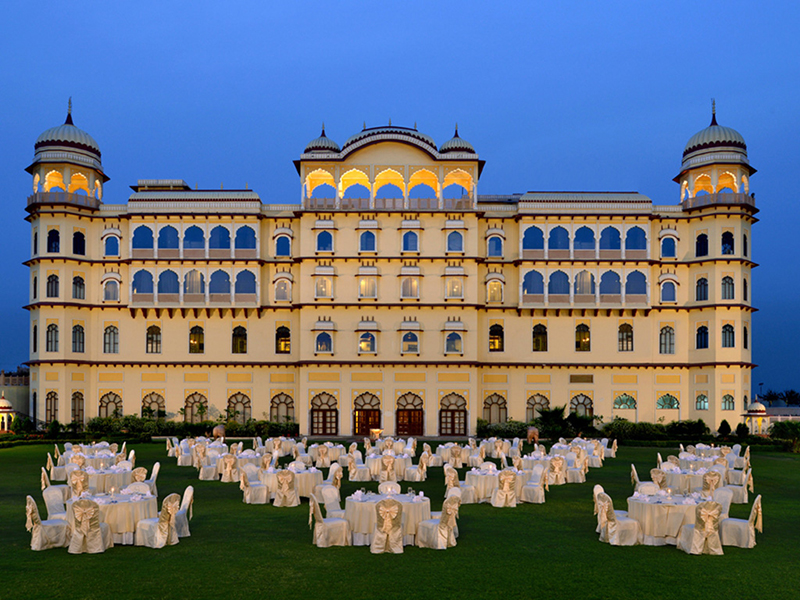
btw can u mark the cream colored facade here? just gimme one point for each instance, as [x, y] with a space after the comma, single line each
[384, 331]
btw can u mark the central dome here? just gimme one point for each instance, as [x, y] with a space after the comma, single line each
[714, 144]
[391, 131]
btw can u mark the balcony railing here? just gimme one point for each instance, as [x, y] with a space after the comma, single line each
[721, 198]
[193, 300]
[64, 198]
[388, 204]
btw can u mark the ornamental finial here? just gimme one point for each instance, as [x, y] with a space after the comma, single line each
[713, 112]
[69, 113]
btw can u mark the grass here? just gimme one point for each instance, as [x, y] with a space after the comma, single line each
[533, 551]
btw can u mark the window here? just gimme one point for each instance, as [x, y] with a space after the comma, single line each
[195, 408]
[78, 338]
[701, 338]
[635, 239]
[583, 341]
[219, 283]
[281, 408]
[728, 337]
[625, 338]
[51, 407]
[494, 247]
[77, 408]
[701, 245]
[111, 246]
[584, 239]
[323, 288]
[366, 343]
[52, 286]
[53, 240]
[168, 283]
[78, 288]
[194, 282]
[245, 283]
[539, 338]
[533, 283]
[239, 408]
[667, 401]
[558, 284]
[35, 287]
[666, 340]
[142, 238]
[584, 284]
[495, 409]
[496, 338]
[668, 249]
[111, 291]
[194, 238]
[744, 244]
[367, 242]
[745, 335]
[35, 339]
[239, 340]
[324, 241]
[142, 282]
[452, 343]
[410, 241]
[610, 239]
[701, 402]
[558, 239]
[535, 405]
[283, 290]
[582, 405]
[409, 343]
[728, 403]
[283, 246]
[153, 340]
[610, 284]
[283, 340]
[727, 243]
[35, 243]
[667, 292]
[245, 238]
[79, 243]
[625, 401]
[636, 284]
[110, 340]
[744, 290]
[454, 287]
[494, 291]
[154, 406]
[455, 242]
[409, 287]
[324, 415]
[701, 289]
[196, 340]
[168, 238]
[219, 238]
[367, 287]
[324, 343]
[727, 288]
[533, 239]
[51, 338]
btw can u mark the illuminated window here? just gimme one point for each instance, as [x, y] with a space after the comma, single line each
[324, 343]
[454, 287]
[283, 340]
[539, 338]
[453, 343]
[366, 343]
[625, 338]
[283, 290]
[367, 287]
[496, 338]
[323, 288]
[409, 343]
[197, 339]
[409, 287]
[583, 340]
[111, 291]
[153, 340]
[494, 291]
[239, 340]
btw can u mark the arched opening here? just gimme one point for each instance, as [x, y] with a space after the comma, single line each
[78, 288]
[583, 338]
[701, 402]
[79, 243]
[195, 408]
[701, 338]
[495, 409]
[727, 243]
[494, 247]
[388, 191]
[245, 283]
[533, 243]
[357, 191]
[584, 242]
[453, 415]
[111, 291]
[324, 415]
[51, 337]
[422, 185]
[728, 403]
[494, 291]
[245, 238]
[409, 288]
[539, 338]
[453, 343]
[584, 286]
[168, 285]
[324, 191]
[324, 343]
[194, 283]
[366, 343]
[320, 179]
[153, 340]
[535, 405]
[283, 340]
[610, 241]
[409, 343]
[496, 338]
[78, 408]
[701, 289]
[635, 241]
[283, 290]
[582, 405]
[636, 286]
[610, 286]
[558, 285]
[366, 242]
[283, 246]
[219, 238]
[558, 239]
[110, 406]
[53, 241]
[219, 284]
[728, 288]
[410, 241]
[197, 340]
[668, 293]
[78, 183]
[455, 242]
[533, 285]
[54, 182]
[389, 184]
[366, 414]
[625, 402]
[667, 402]
[702, 186]
[142, 240]
[410, 415]
[111, 340]
[668, 247]
[239, 408]
[51, 288]
[355, 184]
[728, 336]
[239, 340]
[78, 339]
[51, 407]
[324, 241]
[625, 338]
[111, 246]
[168, 238]
[154, 406]
[666, 340]
[457, 185]
[281, 408]
[726, 183]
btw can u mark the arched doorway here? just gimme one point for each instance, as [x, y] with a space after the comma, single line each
[582, 405]
[154, 406]
[535, 405]
[495, 409]
[410, 418]
[281, 408]
[324, 415]
[195, 408]
[366, 414]
[239, 408]
[453, 415]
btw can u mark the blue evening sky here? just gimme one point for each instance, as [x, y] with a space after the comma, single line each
[554, 96]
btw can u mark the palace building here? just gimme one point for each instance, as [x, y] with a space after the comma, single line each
[392, 296]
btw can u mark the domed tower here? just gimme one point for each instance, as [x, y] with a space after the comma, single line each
[714, 162]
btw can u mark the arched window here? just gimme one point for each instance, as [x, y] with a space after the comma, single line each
[142, 282]
[667, 292]
[283, 340]
[610, 239]
[77, 408]
[584, 239]
[366, 343]
[728, 336]
[539, 338]
[727, 288]
[454, 287]
[283, 246]
[168, 238]
[745, 336]
[494, 291]
[533, 283]
[533, 239]
[194, 282]
[51, 340]
[35, 339]
[409, 287]
[324, 241]
[110, 406]
[625, 337]
[625, 402]
[168, 283]
[239, 340]
[78, 338]
[668, 249]
[584, 284]
[79, 244]
[111, 246]
[111, 291]
[727, 243]
[281, 408]
[666, 340]
[324, 415]
[324, 344]
[323, 287]
[35, 287]
[453, 343]
[78, 288]
[219, 283]
[35, 243]
[610, 284]
[494, 247]
[701, 289]
[667, 401]
[701, 245]
[745, 293]
[51, 407]
[52, 286]
[410, 416]
[453, 415]
[410, 241]
[583, 340]
[455, 242]
[535, 405]
[194, 238]
[283, 290]
[366, 413]
[219, 238]
[154, 406]
[582, 405]
[409, 343]
[142, 238]
[701, 338]
[744, 244]
[53, 240]
[496, 338]
[245, 282]
[153, 340]
[558, 239]
[558, 284]
[728, 403]
[239, 408]
[367, 242]
[110, 340]
[197, 340]
[636, 284]
[245, 238]
[195, 408]
[495, 409]
[635, 239]
[701, 402]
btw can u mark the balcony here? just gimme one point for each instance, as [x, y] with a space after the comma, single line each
[422, 204]
[193, 300]
[79, 200]
[722, 198]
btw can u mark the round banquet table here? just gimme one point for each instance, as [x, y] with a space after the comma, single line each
[692, 464]
[103, 481]
[529, 462]
[559, 449]
[334, 452]
[444, 452]
[362, 519]
[485, 482]
[121, 512]
[400, 466]
[707, 451]
[684, 481]
[242, 460]
[660, 518]
[99, 462]
[304, 481]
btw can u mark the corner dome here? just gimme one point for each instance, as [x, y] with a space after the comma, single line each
[5, 404]
[756, 407]
[67, 135]
[322, 144]
[456, 144]
[713, 144]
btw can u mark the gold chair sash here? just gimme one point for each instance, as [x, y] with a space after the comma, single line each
[84, 514]
[139, 474]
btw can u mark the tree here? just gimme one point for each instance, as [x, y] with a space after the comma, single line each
[791, 397]
[769, 397]
[787, 430]
[724, 428]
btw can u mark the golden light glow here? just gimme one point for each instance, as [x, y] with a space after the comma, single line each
[351, 178]
[459, 177]
[78, 182]
[727, 180]
[389, 176]
[318, 178]
[54, 179]
[702, 184]
[423, 176]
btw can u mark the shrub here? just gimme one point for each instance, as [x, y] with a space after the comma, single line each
[724, 428]
[53, 429]
[742, 431]
[787, 430]
[687, 429]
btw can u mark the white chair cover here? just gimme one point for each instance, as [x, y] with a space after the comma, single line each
[389, 487]
[418, 472]
[388, 534]
[740, 491]
[451, 481]
[436, 460]
[356, 471]
[184, 514]
[253, 491]
[616, 530]
[286, 494]
[505, 495]
[387, 472]
[454, 458]
[556, 475]
[230, 468]
[703, 536]
[724, 497]
[161, 531]
[741, 532]
[331, 499]
[54, 501]
[323, 460]
[439, 534]
[44, 534]
[66, 491]
[328, 531]
[56, 473]
[89, 534]
[533, 490]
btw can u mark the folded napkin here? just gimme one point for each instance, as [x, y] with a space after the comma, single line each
[312, 469]
[418, 499]
[688, 500]
[90, 470]
[102, 500]
[661, 493]
[637, 494]
[126, 491]
[474, 470]
[329, 444]
[357, 496]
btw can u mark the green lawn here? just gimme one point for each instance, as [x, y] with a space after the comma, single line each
[533, 551]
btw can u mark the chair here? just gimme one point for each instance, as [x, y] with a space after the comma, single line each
[740, 491]
[477, 457]
[711, 481]
[505, 494]
[184, 514]
[160, 531]
[184, 457]
[132, 457]
[742, 460]
[170, 449]
[334, 481]
[659, 460]
[703, 536]
[468, 495]
[265, 461]
[440, 533]
[56, 473]
[299, 453]
[596, 491]
[138, 487]
[577, 472]
[79, 483]
[54, 501]
[737, 476]
[125, 465]
[356, 453]
[230, 468]
[387, 472]
[199, 455]
[253, 491]
[389, 487]
[323, 460]
[330, 531]
[286, 494]
[556, 475]
[454, 457]
[595, 459]
[78, 459]
[89, 534]
[616, 530]
[66, 491]
[388, 534]
[488, 466]
[357, 472]
[612, 451]
[724, 497]
[418, 472]
[533, 490]
[742, 532]
[331, 499]
[648, 488]
[436, 460]
[139, 474]
[503, 461]
[659, 477]
[44, 534]
[674, 460]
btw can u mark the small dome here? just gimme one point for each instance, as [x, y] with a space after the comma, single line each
[5, 404]
[67, 135]
[756, 407]
[456, 144]
[322, 144]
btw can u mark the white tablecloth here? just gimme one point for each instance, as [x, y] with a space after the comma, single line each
[485, 483]
[373, 462]
[362, 519]
[688, 464]
[121, 514]
[661, 522]
[684, 482]
[305, 481]
[528, 463]
[334, 452]
[103, 481]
